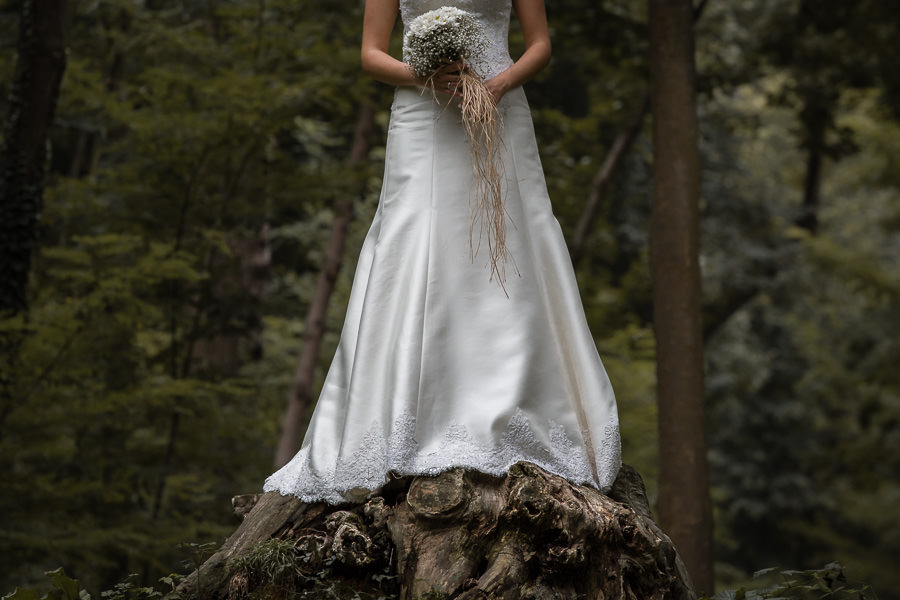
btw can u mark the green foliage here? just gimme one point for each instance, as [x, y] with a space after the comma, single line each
[278, 568]
[272, 564]
[150, 375]
[774, 583]
[135, 409]
[802, 394]
[66, 588]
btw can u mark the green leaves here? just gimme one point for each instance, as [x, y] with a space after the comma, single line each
[799, 394]
[775, 583]
[64, 588]
[133, 413]
[183, 129]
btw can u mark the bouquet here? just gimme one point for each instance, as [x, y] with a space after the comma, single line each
[448, 35]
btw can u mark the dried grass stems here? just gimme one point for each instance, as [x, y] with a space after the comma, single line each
[487, 210]
[448, 35]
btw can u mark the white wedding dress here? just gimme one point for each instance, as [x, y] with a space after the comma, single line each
[436, 366]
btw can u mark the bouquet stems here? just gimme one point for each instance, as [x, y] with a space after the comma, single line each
[483, 127]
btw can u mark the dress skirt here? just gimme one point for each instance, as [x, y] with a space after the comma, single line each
[438, 366]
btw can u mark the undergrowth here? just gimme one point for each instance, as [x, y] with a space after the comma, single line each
[278, 570]
[775, 583]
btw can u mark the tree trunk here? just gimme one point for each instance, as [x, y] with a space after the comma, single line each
[460, 535]
[816, 117]
[601, 182]
[23, 158]
[240, 286]
[684, 502]
[302, 388]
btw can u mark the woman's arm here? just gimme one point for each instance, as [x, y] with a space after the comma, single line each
[378, 24]
[533, 19]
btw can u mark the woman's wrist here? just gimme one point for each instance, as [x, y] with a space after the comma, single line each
[387, 69]
[414, 80]
[499, 85]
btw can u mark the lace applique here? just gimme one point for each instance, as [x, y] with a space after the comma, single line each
[367, 468]
[609, 456]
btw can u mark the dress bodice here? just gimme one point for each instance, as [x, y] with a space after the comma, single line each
[494, 17]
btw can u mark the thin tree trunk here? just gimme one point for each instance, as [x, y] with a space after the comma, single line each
[809, 219]
[684, 502]
[301, 390]
[816, 118]
[39, 69]
[40, 65]
[604, 175]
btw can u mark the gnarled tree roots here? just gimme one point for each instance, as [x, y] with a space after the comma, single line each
[460, 535]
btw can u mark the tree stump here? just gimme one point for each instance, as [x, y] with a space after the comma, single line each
[461, 535]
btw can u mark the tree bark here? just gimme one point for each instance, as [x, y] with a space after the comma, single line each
[816, 117]
[23, 158]
[461, 535]
[684, 501]
[302, 388]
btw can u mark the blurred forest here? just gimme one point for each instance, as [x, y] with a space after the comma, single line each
[199, 149]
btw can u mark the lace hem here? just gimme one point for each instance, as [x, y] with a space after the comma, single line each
[367, 469]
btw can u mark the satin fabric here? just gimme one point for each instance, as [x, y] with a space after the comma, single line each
[437, 366]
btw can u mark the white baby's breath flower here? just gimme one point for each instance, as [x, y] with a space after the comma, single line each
[442, 36]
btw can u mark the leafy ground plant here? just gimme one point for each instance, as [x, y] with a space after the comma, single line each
[67, 588]
[278, 568]
[775, 583]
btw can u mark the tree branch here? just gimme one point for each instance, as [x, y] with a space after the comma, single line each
[301, 390]
[599, 187]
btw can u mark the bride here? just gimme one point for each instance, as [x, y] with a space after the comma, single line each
[438, 366]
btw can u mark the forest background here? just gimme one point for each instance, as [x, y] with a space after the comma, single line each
[200, 150]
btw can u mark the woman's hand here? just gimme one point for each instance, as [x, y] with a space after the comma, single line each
[498, 86]
[533, 21]
[446, 78]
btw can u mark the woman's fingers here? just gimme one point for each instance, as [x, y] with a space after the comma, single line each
[446, 78]
[447, 84]
[454, 67]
